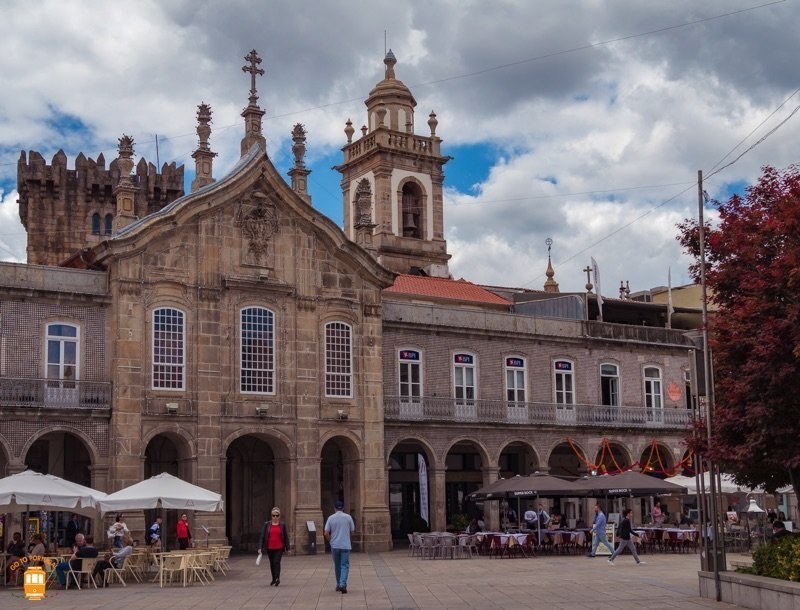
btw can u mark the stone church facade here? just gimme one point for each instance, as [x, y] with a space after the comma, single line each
[237, 338]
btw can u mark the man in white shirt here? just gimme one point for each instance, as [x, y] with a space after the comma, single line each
[338, 529]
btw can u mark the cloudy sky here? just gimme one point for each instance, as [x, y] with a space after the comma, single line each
[579, 120]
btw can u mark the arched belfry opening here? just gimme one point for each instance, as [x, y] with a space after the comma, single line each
[412, 216]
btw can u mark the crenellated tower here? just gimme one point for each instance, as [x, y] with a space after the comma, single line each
[65, 210]
[404, 173]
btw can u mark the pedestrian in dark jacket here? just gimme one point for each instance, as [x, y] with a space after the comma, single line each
[625, 539]
[274, 542]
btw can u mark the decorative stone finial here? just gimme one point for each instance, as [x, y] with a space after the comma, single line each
[432, 123]
[299, 146]
[124, 191]
[588, 272]
[348, 131]
[125, 160]
[363, 130]
[390, 60]
[203, 156]
[299, 173]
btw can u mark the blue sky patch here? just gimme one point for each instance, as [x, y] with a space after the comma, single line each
[67, 125]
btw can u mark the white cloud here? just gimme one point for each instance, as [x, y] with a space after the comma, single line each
[518, 77]
[13, 238]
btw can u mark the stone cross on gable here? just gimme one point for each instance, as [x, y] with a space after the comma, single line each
[253, 60]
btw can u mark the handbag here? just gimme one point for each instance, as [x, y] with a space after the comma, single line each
[258, 559]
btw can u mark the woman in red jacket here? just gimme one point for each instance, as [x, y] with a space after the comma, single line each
[274, 541]
[183, 532]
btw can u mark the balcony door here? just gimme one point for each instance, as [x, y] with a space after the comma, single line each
[653, 397]
[62, 363]
[564, 386]
[464, 386]
[410, 377]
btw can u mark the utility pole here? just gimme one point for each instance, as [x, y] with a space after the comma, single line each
[717, 545]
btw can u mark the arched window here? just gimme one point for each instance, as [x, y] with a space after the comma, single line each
[412, 211]
[109, 224]
[609, 384]
[95, 224]
[169, 349]
[257, 351]
[338, 360]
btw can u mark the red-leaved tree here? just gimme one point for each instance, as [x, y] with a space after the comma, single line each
[753, 276]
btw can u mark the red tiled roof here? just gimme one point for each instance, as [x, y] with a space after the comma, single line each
[442, 288]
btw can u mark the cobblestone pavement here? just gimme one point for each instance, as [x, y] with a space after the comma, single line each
[395, 580]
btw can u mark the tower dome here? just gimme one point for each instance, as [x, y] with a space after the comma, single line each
[390, 103]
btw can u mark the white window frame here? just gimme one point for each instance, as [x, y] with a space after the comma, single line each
[62, 340]
[265, 355]
[339, 383]
[653, 389]
[559, 396]
[179, 367]
[614, 381]
[466, 406]
[410, 403]
[516, 405]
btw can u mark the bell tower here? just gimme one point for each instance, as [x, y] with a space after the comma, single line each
[405, 173]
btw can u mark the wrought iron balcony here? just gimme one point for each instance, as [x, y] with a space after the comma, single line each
[54, 393]
[527, 413]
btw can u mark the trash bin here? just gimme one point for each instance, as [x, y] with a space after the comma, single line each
[312, 537]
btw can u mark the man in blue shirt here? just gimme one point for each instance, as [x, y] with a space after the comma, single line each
[599, 531]
[338, 529]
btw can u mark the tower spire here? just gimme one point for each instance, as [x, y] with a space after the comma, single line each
[252, 113]
[550, 284]
[299, 173]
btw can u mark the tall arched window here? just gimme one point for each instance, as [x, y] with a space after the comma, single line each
[257, 351]
[109, 224]
[95, 224]
[412, 211]
[338, 360]
[169, 349]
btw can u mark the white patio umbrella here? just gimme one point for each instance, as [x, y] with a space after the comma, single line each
[33, 491]
[162, 490]
[727, 484]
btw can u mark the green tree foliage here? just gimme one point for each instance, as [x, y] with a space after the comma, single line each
[778, 559]
[753, 276]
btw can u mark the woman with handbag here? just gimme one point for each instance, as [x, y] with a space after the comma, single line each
[274, 542]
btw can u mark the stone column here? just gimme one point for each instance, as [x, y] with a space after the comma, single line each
[491, 510]
[437, 499]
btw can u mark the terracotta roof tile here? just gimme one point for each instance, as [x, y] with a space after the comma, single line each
[443, 288]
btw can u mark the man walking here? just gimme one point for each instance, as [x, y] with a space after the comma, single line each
[338, 529]
[599, 531]
[625, 539]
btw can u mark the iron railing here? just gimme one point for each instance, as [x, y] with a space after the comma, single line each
[54, 393]
[499, 411]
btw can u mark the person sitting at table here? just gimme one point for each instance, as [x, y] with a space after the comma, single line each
[656, 515]
[84, 547]
[473, 527]
[116, 559]
[36, 549]
[779, 531]
[15, 552]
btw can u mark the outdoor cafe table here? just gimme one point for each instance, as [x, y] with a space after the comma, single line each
[669, 535]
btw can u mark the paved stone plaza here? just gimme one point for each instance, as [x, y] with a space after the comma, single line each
[394, 580]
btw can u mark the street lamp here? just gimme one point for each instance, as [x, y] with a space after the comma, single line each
[754, 509]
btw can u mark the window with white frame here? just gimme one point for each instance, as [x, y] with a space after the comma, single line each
[410, 375]
[564, 385]
[257, 353]
[652, 388]
[338, 360]
[169, 348]
[62, 352]
[464, 378]
[515, 380]
[609, 384]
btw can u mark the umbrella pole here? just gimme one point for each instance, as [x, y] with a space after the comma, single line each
[538, 521]
[519, 516]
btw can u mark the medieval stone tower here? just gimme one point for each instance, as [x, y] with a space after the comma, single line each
[66, 210]
[392, 183]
